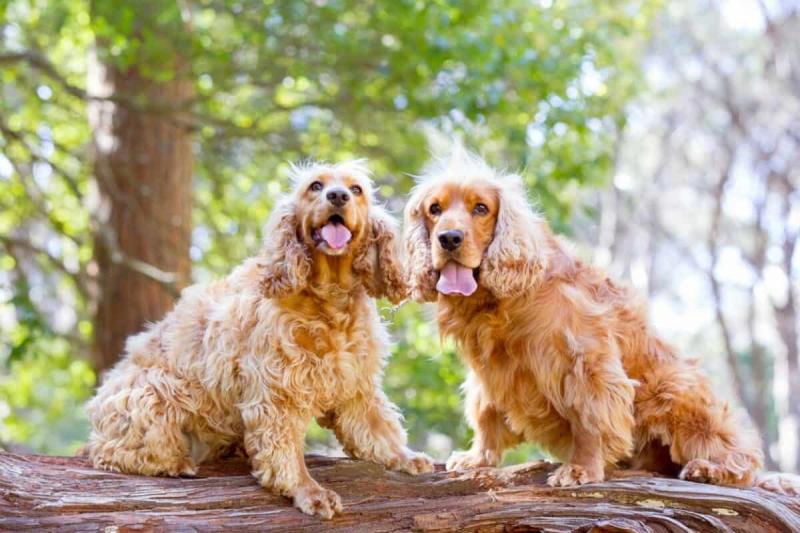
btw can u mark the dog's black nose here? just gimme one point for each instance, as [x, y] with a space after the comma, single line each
[451, 239]
[338, 196]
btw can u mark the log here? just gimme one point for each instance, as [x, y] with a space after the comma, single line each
[66, 494]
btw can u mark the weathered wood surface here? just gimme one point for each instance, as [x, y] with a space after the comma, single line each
[65, 494]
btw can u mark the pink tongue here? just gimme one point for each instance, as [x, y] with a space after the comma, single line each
[456, 279]
[336, 235]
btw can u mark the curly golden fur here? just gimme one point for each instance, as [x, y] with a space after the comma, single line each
[249, 360]
[559, 355]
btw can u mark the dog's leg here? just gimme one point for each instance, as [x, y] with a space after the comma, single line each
[492, 434]
[135, 429]
[598, 398]
[714, 454]
[709, 442]
[273, 439]
[676, 405]
[368, 426]
[586, 464]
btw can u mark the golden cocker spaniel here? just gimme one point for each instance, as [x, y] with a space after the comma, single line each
[559, 355]
[290, 335]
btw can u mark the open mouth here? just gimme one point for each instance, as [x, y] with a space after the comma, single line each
[456, 278]
[334, 233]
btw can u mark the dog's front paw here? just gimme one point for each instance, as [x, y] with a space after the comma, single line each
[415, 463]
[703, 471]
[315, 500]
[467, 461]
[571, 475]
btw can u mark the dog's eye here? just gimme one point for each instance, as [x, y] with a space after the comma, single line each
[316, 186]
[435, 209]
[480, 209]
[356, 189]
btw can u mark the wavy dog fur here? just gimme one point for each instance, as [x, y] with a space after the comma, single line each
[249, 360]
[560, 355]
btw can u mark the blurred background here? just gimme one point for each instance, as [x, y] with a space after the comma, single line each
[143, 143]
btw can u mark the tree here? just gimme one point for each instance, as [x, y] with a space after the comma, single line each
[713, 199]
[263, 83]
[142, 168]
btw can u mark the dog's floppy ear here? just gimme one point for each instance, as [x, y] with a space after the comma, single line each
[515, 258]
[285, 261]
[379, 263]
[421, 274]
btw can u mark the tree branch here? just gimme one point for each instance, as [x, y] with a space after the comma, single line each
[79, 277]
[70, 180]
[168, 280]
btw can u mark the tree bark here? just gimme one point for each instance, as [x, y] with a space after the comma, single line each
[143, 173]
[48, 493]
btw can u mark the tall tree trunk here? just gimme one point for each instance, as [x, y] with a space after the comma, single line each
[143, 173]
[786, 317]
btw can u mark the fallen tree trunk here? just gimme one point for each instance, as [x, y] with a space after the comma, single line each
[65, 494]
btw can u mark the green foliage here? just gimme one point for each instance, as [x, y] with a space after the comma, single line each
[534, 85]
[424, 377]
[42, 401]
[42, 394]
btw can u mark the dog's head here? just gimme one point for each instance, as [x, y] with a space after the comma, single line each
[331, 213]
[467, 225]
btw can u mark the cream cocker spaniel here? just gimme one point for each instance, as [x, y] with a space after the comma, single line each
[291, 334]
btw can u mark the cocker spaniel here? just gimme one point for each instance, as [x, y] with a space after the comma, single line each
[291, 334]
[559, 355]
